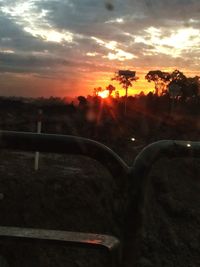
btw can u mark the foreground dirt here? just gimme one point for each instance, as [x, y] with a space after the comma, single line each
[77, 194]
[171, 235]
[67, 193]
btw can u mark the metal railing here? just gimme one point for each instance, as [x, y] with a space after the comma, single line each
[139, 181]
[68, 145]
[65, 144]
[136, 176]
[107, 243]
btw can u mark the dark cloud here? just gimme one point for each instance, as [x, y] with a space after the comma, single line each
[29, 63]
[84, 19]
[84, 15]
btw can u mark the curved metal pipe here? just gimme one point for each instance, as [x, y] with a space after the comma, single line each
[137, 174]
[147, 157]
[78, 145]
[138, 183]
[151, 153]
[78, 239]
[65, 144]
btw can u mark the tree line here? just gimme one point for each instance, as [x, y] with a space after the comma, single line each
[176, 83]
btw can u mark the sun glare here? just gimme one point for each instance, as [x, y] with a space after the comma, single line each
[104, 94]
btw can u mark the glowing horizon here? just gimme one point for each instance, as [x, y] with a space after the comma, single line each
[67, 48]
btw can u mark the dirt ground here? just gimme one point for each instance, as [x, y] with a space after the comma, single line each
[67, 193]
[76, 194]
[171, 234]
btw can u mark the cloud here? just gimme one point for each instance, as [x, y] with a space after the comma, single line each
[62, 38]
[174, 44]
[12, 62]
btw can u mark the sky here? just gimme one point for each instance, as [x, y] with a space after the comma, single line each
[68, 47]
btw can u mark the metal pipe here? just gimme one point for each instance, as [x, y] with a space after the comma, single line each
[65, 144]
[155, 151]
[109, 244]
[138, 183]
[137, 175]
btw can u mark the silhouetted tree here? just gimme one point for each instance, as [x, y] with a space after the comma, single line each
[83, 103]
[82, 100]
[188, 87]
[126, 79]
[160, 78]
[117, 94]
[110, 88]
[178, 77]
[97, 90]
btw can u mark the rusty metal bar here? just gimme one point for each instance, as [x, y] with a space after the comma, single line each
[110, 244]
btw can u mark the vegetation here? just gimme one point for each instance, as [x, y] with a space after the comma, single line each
[126, 79]
[53, 193]
[172, 114]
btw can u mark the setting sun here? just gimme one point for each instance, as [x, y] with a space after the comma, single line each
[65, 51]
[103, 94]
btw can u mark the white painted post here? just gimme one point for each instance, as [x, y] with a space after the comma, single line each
[39, 129]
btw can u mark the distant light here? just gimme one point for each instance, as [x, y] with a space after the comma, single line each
[188, 145]
[133, 139]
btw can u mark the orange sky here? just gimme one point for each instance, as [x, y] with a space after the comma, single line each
[67, 48]
[62, 88]
[140, 85]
